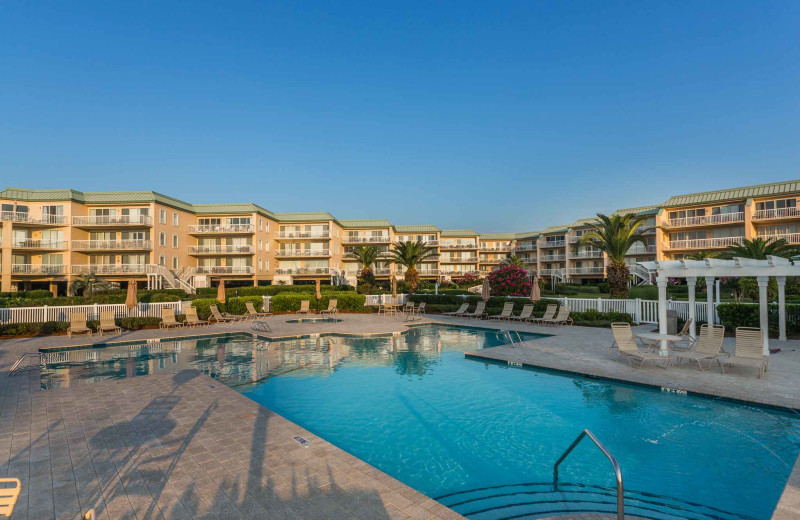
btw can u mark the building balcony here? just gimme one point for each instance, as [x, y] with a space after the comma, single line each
[111, 269]
[554, 243]
[586, 271]
[222, 250]
[493, 261]
[367, 240]
[641, 250]
[306, 271]
[501, 249]
[586, 254]
[551, 272]
[32, 219]
[432, 258]
[574, 239]
[553, 258]
[294, 235]
[704, 243]
[792, 238]
[225, 269]
[451, 272]
[776, 214]
[724, 218]
[459, 260]
[39, 245]
[529, 260]
[38, 269]
[221, 229]
[459, 246]
[526, 248]
[93, 221]
[302, 253]
[112, 245]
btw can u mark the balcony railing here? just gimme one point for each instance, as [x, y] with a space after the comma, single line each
[641, 250]
[219, 229]
[792, 238]
[586, 270]
[367, 240]
[108, 245]
[762, 214]
[30, 218]
[458, 246]
[458, 260]
[41, 269]
[225, 269]
[553, 258]
[303, 252]
[305, 271]
[704, 243]
[304, 234]
[525, 248]
[111, 269]
[112, 220]
[485, 260]
[722, 218]
[40, 244]
[554, 243]
[501, 249]
[586, 254]
[458, 273]
[432, 258]
[222, 250]
[551, 272]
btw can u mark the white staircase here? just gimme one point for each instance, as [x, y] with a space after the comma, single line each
[640, 275]
[158, 276]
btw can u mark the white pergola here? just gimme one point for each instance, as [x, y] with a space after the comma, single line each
[712, 268]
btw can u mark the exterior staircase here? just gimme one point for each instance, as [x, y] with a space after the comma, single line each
[158, 276]
[640, 275]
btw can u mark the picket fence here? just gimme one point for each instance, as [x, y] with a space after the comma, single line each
[63, 312]
[642, 311]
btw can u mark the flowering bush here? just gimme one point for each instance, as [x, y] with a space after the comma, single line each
[509, 281]
[468, 279]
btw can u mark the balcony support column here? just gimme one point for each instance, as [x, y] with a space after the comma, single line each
[763, 303]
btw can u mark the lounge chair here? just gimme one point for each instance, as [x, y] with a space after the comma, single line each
[527, 312]
[708, 346]
[562, 318]
[684, 333]
[549, 313]
[304, 307]
[416, 313]
[749, 350]
[222, 318]
[479, 313]
[77, 324]
[107, 323]
[168, 319]
[9, 493]
[89, 515]
[253, 313]
[508, 310]
[627, 347]
[460, 312]
[332, 309]
[192, 318]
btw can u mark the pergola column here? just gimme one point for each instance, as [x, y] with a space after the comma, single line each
[661, 281]
[763, 281]
[781, 307]
[710, 314]
[691, 282]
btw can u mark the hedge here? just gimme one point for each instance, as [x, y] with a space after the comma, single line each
[595, 318]
[347, 301]
[60, 327]
[734, 315]
[232, 305]
[145, 296]
[449, 303]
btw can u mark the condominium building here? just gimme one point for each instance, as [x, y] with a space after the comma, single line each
[51, 237]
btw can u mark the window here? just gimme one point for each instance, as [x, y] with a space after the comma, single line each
[209, 221]
[174, 262]
[175, 241]
[261, 224]
[163, 216]
[260, 266]
[260, 245]
[175, 219]
[730, 208]
[687, 213]
[790, 204]
[162, 260]
[162, 239]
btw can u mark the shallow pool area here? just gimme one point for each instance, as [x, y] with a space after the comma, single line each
[482, 438]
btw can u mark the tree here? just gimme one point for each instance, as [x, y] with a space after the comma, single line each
[702, 255]
[366, 255]
[513, 260]
[409, 254]
[615, 235]
[760, 248]
[89, 284]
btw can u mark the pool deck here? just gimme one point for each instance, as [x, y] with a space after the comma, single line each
[172, 447]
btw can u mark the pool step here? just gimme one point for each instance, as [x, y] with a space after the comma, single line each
[538, 500]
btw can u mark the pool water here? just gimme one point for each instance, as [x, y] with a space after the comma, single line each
[482, 438]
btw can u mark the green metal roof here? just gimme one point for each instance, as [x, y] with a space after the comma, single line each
[366, 223]
[584, 222]
[417, 229]
[641, 211]
[555, 229]
[528, 234]
[95, 197]
[498, 236]
[305, 217]
[459, 233]
[747, 192]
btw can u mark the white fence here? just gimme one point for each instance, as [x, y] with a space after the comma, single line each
[62, 313]
[380, 299]
[642, 311]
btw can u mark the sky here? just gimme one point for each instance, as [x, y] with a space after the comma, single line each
[494, 116]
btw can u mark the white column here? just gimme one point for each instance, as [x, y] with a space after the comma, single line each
[691, 282]
[710, 300]
[782, 307]
[661, 281]
[762, 307]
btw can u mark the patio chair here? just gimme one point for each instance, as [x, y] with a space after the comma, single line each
[562, 318]
[416, 313]
[479, 313]
[525, 315]
[77, 324]
[168, 319]
[332, 309]
[508, 310]
[107, 323]
[192, 319]
[253, 313]
[9, 493]
[628, 348]
[708, 346]
[305, 307]
[549, 313]
[221, 318]
[460, 312]
[749, 350]
[684, 333]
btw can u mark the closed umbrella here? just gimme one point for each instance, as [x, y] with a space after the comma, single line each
[536, 293]
[485, 290]
[131, 299]
[394, 289]
[221, 291]
[318, 294]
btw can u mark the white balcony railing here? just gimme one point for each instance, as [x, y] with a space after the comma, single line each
[366, 240]
[111, 269]
[586, 270]
[40, 244]
[525, 248]
[432, 258]
[487, 260]
[458, 260]
[586, 254]
[722, 218]
[704, 243]
[501, 249]
[553, 258]
[459, 273]
[30, 218]
[445, 245]
[40, 269]
[108, 245]
[112, 220]
[221, 229]
[554, 243]
[222, 250]
[305, 271]
[304, 234]
[303, 252]
[641, 250]
[792, 238]
[225, 269]
[551, 272]
[761, 214]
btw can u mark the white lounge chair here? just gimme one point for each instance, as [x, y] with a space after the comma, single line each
[9, 493]
[460, 312]
[77, 324]
[708, 346]
[749, 350]
[168, 319]
[628, 348]
[549, 313]
[525, 315]
[333, 308]
[222, 318]
[305, 307]
[508, 310]
[107, 323]
[562, 318]
[253, 313]
[192, 319]
[480, 311]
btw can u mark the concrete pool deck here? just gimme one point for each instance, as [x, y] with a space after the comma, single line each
[171, 447]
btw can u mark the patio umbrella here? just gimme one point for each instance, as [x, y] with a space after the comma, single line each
[485, 290]
[131, 299]
[318, 294]
[536, 293]
[394, 289]
[221, 291]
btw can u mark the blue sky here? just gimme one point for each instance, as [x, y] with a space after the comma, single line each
[491, 115]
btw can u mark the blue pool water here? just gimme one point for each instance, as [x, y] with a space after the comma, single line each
[482, 438]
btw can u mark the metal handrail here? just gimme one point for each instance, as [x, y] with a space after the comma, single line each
[17, 366]
[507, 334]
[614, 464]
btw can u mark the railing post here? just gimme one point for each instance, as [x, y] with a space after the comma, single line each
[96, 314]
[638, 311]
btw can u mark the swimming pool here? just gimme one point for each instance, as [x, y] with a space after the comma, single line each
[482, 438]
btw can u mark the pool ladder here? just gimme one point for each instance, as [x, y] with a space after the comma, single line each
[19, 365]
[609, 456]
[507, 335]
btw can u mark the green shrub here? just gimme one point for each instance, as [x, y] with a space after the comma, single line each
[448, 303]
[238, 305]
[347, 301]
[143, 323]
[34, 329]
[576, 288]
[595, 318]
[203, 306]
[645, 292]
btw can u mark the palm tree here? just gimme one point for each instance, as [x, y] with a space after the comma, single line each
[88, 284]
[513, 260]
[760, 248]
[366, 255]
[702, 255]
[615, 235]
[409, 254]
